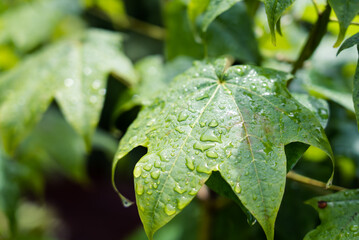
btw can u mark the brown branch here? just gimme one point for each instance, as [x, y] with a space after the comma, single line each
[315, 36]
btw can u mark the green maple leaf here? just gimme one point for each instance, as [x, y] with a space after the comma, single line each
[339, 215]
[74, 72]
[235, 121]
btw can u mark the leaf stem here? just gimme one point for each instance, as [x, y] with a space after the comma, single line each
[315, 36]
[312, 182]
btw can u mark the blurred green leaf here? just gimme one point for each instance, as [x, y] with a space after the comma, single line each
[74, 71]
[9, 191]
[54, 147]
[233, 29]
[274, 10]
[31, 23]
[214, 9]
[154, 76]
[345, 10]
[196, 8]
[186, 140]
[115, 9]
[329, 88]
[339, 215]
[354, 40]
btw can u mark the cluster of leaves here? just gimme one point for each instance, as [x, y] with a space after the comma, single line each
[236, 129]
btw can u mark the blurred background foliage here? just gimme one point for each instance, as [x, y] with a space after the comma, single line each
[53, 187]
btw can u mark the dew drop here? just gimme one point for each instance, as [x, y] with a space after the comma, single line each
[139, 189]
[237, 188]
[213, 123]
[182, 116]
[193, 192]
[212, 154]
[163, 156]
[202, 147]
[148, 167]
[157, 164]
[137, 171]
[179, 189]
[354, 228]
[102, 91]
[178, 129]
[182, 202]
[93, 99]
[154, 185]
[204, 96]
[170, 210]
[155, 174]
[209, 136]
[246, 173]
[254, 197]
[149, 192]
[68, 82]
[189, 164]
[202, 124]
[96, 84]
[203, 168]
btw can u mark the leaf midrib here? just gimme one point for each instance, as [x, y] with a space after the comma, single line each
[249, 144]
[179, 152]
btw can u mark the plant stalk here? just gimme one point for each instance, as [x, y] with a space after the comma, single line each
[315, 36]
[312, 182]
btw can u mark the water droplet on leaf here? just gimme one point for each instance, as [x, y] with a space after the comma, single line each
[237, 188]
[155, 174]
[212, 154]
[213, 123]
[137, 171]
[210, 136]
[68, 82]
[189, 164]
[170, 210]
[179, 189]
[139, 189]
[182, 116]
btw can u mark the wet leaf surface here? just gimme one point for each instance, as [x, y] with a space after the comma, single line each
[74, 72]
[235, 121]
[339, 215]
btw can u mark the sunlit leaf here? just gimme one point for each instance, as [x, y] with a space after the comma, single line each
[214, 9]
[53, 146]
[339, 215]
[328, 88]
[74, 72]
[235, 121]
[345, 10]
[31, 23]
